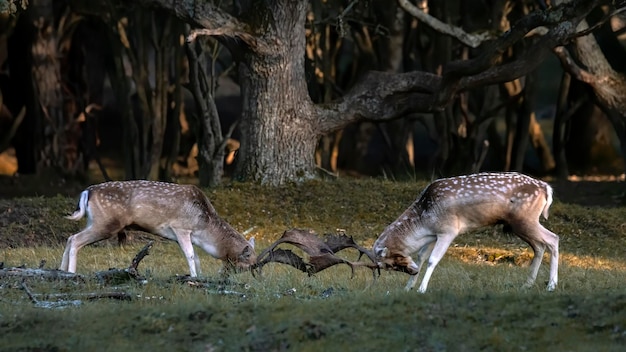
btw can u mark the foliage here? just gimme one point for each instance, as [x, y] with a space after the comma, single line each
[474, 300]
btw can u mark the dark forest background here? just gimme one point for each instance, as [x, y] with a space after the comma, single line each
[280, 91]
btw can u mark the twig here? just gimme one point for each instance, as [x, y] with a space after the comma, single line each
[471, 40]
[6, 139]
[142, 253]
[587, 31]
[29, 293]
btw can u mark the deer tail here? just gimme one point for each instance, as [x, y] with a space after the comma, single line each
[548, 202]
[81, 207]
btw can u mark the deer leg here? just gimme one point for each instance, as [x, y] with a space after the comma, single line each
[183, 237]
[552, 242]
[422, 254]
[538, 249]
[78, 241]
[540, 238]
[439, 249]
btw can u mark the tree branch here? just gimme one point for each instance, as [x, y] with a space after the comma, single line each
[213, 20]
[564, 18]
[380, 96]
[571, 67]
[471, 40]
[384, 96]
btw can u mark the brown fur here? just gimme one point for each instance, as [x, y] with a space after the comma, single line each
[451, 206]
[181, 213]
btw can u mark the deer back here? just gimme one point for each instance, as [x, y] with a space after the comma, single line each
[151, 205]
[154, 206]
[462, 203]
[485, 199]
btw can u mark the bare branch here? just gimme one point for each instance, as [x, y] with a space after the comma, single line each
[381, 96]
[5, 138]
[564, 18]
[213, 20]
[471, 40]
[572, 67]
[600, 22]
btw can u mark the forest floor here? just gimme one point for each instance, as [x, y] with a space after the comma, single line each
[474, 301]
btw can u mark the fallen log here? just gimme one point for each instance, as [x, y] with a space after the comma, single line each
[49, 274]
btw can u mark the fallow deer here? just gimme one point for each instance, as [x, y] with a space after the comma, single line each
[180, 213]
[451, 206]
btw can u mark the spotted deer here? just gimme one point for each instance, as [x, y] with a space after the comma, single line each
[451, 206]
[181, 213]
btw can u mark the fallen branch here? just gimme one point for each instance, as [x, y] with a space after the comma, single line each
[104, 277]
[48, 274]
[220, 287]
[117, 276]
[63, 303]
[90, 296]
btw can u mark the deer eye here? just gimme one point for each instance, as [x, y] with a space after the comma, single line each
[381, 252]
[247, 252]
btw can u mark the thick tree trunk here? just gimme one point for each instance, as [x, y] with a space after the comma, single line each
[278, 139]
[278, 130]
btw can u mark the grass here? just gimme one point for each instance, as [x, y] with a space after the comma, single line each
[474, 300]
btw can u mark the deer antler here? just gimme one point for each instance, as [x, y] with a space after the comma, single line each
[283, 256]
[306, 240]
[340, 242]
[321, 253]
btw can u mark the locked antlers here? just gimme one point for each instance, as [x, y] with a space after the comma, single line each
[322, 254]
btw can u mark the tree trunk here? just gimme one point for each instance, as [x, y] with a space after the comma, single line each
[278, 132]
[163, 39]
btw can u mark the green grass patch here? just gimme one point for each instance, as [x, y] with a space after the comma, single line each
[474, 300]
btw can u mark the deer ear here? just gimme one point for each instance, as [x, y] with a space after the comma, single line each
[251, 242]
[247, 252]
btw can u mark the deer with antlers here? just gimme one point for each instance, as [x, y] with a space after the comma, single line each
[451, 206]
[181, 213]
